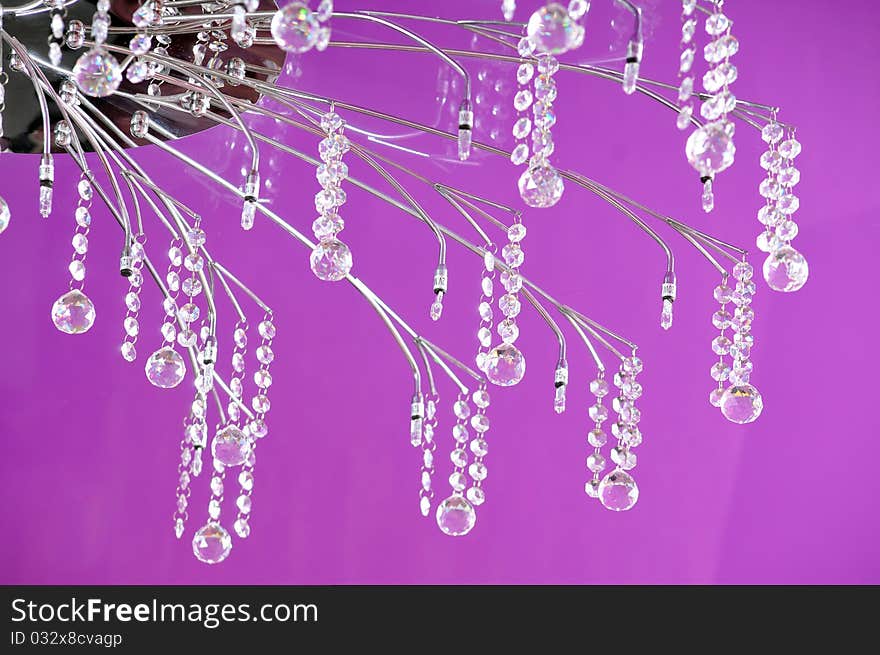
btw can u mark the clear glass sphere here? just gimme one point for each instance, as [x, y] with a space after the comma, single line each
[505, 365]
[97, 73]
[4, 215]
[331, 260]
[785, 269]
[230, 446]
[212, 543]
[618, 491]
[741, 404]
[295, 28]
[456, 516]
[73, 313]
[710, 149]
[541, 186]
[552, 30]
[165, 368]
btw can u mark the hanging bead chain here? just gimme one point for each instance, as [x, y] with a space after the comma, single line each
[183, 491]
[57, 14]
[597, 437]
[741, 322]
[331, 259]
[241, 31]
[172, 280]
[154, 88]
[522, 101]
[100, 22]
[686, 63]
[542, 110]
[509, 303]
[4, 78]
[717, 80]
[721, 344]
[459, 456]
[618, 490]
[80, 239]
[788, 177]
[257, 428]
[429, 445]
[218, 479]
[770, 189]
[130, 323]
[479, 447]
[484, 308]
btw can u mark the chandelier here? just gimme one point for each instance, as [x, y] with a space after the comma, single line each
[92, 80]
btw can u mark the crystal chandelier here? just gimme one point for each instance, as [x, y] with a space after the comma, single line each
[101, 78]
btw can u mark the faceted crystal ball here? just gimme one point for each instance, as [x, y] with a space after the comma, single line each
[73, 313]
[295, 28]
[505, 365]
[165, 368]
[541, 186]
[4, 215]
[741, 404]
[786, 269]
[552, 30]
[456, 516]
[331, 260]
[212, 544]
[618, 491]
[230, 446]
[97, 73]
[710, 149]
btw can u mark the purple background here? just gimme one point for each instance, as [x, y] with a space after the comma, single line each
[90, 466]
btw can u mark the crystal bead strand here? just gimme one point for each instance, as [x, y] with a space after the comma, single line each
[183, 491]
[165, 368]
[57, 14]
[257, 428]
[522, 101]
[540, 185]
[233, 412]
[429, 446]
[331, 259]
[741, 402]
[74, 313]
[505, 365]
[323, 13]
[479, 447]
[618, 490]
[212, 543]
[716, 82]
[720, 371]
[456, 515]
[484, 307]
[130, 323]
[686, 62]
[597, 437]
[786, 269]
[4, 78]
[139, 45]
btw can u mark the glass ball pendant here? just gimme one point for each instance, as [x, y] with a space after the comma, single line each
[541, 186]
[741, 404]
[456, 516]
[505, 365]
[295, 28]
[73, 313]
[618, 491]
[331, 260]
[212, 543]
[165, 368]
[710, 149]
[552, 30]
[4, 215]
[97, 73]
[786, 270]
[230, 446]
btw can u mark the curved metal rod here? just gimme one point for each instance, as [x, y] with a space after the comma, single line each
[560, 338]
